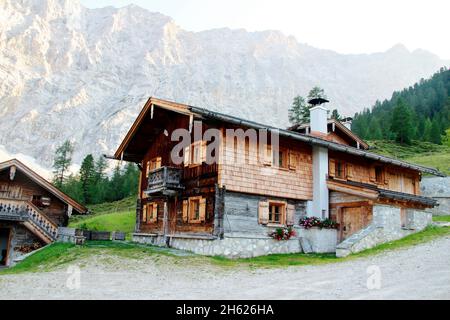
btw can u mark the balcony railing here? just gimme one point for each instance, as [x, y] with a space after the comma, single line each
[164, 180]
[26, 212]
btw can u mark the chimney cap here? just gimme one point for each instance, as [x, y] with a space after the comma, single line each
[317, 101]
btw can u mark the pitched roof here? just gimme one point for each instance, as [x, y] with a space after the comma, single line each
[207, 114]
[346, 131]
[381, 193]
[43, 183]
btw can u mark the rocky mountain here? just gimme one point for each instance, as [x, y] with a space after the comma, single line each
[68, 72]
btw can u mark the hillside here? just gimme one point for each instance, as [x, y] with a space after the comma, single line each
[420, 112]
[423, 153]
[69, 72]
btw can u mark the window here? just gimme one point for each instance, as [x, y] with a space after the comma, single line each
[194, 210]
[277, 212]
[340, 169]
[150, 212]
[153, 164]
[379, 174]
[41, 201]
[283, 158]
[272, 212]
[195, 154]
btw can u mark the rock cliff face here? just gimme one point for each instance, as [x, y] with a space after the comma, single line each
[68, 72]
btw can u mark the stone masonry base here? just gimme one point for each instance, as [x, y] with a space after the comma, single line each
[239, 246]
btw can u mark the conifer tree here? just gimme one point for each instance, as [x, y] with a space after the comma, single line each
[402, 125]
[62, 162]
[299, 111]
[87, 178]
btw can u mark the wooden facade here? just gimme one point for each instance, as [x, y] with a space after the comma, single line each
[31, 209]
[191, 197]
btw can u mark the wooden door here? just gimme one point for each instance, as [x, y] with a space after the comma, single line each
[4, 245]
[172, 207]
[353, 219]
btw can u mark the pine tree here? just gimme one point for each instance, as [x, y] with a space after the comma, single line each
[335, 115]
[130, 180]
[316, 92]
[87, 178]
[375, 130]
[435, 132]
[402, 125]
[427, 130]
[299, 111]
[72, 187]
[61, 164]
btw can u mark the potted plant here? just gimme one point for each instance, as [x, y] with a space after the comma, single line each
[282, 233]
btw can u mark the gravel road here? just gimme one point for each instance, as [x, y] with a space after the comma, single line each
[420, 272]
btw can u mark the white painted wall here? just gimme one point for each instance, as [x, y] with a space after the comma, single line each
[320, 203]
[319, 120]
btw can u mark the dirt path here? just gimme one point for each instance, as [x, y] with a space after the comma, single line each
[421, 272]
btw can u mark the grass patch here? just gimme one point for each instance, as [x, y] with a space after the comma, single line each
[120, 221]
[430, 233]
[124, 205]
[59, 254]
[419, 152]
[441, 218]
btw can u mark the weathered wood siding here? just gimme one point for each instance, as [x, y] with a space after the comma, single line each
[198, 180]
[241, 213]
[358, 169]
[254, 177]
[57, 211]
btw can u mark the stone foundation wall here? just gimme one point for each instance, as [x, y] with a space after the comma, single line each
[437, 188]
[318, 240]
[385, 227]
[312, 240]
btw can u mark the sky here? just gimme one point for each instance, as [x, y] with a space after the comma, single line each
[345, 26]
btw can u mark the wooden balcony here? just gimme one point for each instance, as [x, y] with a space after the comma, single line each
[164, 181]
[30, 216]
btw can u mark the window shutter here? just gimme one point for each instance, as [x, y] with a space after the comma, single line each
[268, 156]
[147, 171]
[144, 213]
[185, 210]
[350, 170]
[203, 152]
[154, 212]
[263, 213]
[290, 215]
[332, 169]
[187, 155]
[372, 174]
[202, 209]
[158, 163]
[292, 160]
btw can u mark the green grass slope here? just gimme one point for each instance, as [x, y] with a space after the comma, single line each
[422, 153]
[113, 216]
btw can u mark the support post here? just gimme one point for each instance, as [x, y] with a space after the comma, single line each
[166, 223]
[219, 211]
[138, 215]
